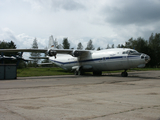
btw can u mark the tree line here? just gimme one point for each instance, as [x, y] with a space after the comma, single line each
[7, 45]
[150, 47]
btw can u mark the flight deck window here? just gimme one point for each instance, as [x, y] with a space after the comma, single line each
[132, 52]
[129, 52]
[124, 53]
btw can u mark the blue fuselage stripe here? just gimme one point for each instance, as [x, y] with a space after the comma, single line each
[97, 59]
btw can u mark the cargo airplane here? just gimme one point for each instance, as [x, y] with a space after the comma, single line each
[82, 61]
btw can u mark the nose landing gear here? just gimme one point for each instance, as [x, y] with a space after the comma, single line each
[124, 74]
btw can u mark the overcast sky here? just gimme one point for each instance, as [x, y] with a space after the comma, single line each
[103, 21]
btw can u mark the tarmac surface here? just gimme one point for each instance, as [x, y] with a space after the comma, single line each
[69, 97]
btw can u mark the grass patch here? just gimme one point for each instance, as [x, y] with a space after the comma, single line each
[28, 72]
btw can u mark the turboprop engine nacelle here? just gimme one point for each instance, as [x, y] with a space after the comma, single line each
[52, 53]
[76, 53]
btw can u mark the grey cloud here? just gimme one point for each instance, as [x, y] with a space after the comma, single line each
[136, 12]
[8, 35]
[67, 5]
[72, 5]
[56, 4]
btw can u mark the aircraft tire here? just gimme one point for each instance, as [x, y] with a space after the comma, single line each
[124, 74]
[97, 73]
[80, 72]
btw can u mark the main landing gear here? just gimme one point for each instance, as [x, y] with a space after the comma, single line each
[124, 74]
[79, 72]
[97, 73]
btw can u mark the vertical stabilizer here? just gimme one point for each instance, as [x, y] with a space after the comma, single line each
[51, 43]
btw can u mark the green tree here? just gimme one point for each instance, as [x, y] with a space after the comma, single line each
[142, 45]
[80, 46]
[139, 44]
[11, 45]
[99, 48]
[154, 49]
[66, 44]
[108, 47]
[129, 43]
[35, 54]
[90, 46]
[8, 45]
[120, 46]
[112, 45]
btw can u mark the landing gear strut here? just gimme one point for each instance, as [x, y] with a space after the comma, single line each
[124, 74]
[79, 72]
[76, 72]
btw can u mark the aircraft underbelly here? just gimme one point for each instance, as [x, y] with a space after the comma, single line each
[135, 63]
[111, 64]
[117, 65]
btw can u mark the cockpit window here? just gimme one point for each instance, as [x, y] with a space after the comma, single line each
[125, 52]
[130, 52]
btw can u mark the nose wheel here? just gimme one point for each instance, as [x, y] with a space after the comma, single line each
[124, 74]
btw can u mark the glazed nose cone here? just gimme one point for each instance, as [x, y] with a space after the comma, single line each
[146, 57]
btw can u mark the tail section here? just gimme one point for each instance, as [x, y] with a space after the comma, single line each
[52, 43]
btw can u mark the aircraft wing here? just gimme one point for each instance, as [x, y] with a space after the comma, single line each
[24, 50]
[72, 52]
[51, 52]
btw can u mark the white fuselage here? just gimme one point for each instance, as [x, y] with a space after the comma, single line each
[103, 60]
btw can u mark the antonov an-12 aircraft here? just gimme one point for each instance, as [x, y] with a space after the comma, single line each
[82, 61]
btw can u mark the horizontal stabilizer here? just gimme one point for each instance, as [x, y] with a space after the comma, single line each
[45, 64]
[39, 57]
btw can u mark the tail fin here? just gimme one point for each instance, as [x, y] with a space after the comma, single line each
[52, 43]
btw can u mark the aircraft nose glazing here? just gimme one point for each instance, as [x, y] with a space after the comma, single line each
[147, 58]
